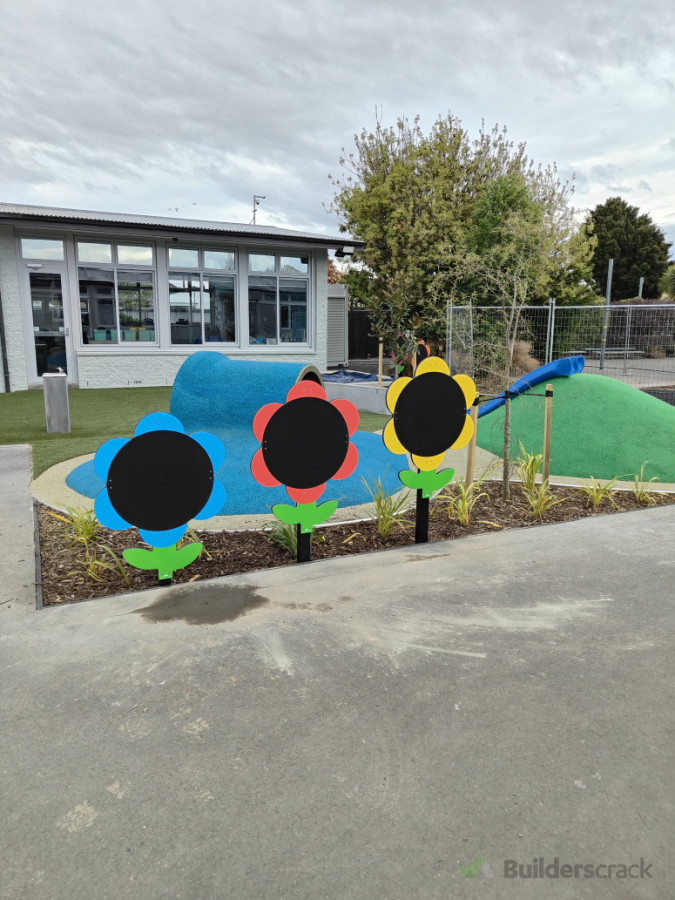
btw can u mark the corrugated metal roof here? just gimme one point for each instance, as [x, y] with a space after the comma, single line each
[82, 216]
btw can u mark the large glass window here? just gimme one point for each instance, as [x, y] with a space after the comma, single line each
[202, 302]
[117, 303]
[137, 307]
[219, 308]
[278, 303]
[186, 309]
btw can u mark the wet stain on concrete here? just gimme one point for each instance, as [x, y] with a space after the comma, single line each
[208, 606]
[423, 557]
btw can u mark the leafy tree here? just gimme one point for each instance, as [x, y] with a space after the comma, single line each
[506, 259]
[334, 274]
[637, 246]
[410, 195]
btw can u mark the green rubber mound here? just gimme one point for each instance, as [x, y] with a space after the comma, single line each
[601, 428]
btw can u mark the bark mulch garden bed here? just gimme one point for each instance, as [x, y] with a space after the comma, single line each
[63, 562]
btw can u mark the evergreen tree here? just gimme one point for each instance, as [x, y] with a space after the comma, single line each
[637, 246]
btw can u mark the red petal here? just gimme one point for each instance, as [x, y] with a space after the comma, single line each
[306, 389]
[305, 495]
[260, 471]
[261, 419]
[348, 466]
[348, 412]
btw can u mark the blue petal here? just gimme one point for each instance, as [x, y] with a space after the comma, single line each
[158, 421]
[215, 502]
[107, 514]
[163, 538]
[213, 447]
[105, 455]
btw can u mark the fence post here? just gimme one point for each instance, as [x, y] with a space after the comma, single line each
[627, 341]
[546, 463]
[380, 354]
[448, 334]
[605, 321]
[549, 330]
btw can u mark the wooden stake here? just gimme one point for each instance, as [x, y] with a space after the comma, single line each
[380, 355]
[471, 453]
[547, 432]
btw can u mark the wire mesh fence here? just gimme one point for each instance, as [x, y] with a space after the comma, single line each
[634, 343]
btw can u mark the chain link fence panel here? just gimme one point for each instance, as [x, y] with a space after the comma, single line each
[634, 343]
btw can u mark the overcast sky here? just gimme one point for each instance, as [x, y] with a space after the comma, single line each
[149, 106]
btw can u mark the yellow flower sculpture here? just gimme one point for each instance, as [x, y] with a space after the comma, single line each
[429, 418]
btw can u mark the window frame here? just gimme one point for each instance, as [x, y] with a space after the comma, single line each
[116, 268]
[280, 277]
[204, 274]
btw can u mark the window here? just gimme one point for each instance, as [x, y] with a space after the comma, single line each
[42, 248]
[202, 302]
[117, 302]
[278, 302]
[94, 252]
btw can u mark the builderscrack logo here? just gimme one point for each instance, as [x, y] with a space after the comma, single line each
[478, 865]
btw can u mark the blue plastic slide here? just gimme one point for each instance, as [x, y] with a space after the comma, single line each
[570, 365]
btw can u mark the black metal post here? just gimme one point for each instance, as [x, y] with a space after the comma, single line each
[421, 519]
[304, 545]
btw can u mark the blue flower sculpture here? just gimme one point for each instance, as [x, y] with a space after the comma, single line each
[157, 481]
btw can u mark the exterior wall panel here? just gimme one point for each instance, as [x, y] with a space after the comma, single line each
[12, 315]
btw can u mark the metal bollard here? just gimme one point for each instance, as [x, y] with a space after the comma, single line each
[57, 409]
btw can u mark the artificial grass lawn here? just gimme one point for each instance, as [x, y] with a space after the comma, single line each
[95, 416]
[601, 428]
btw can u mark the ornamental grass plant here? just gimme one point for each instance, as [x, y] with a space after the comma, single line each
[389, 508]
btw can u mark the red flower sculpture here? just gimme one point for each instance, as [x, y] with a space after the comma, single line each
[305, 442]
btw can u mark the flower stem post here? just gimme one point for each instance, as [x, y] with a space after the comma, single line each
[421, 518]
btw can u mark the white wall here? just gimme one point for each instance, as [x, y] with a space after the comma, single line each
[11, 308]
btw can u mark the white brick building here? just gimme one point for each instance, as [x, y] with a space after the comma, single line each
[117, 300]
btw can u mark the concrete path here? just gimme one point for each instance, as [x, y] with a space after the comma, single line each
[356, 728]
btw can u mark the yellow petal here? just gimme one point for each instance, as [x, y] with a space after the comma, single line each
[465, 435]
[428, 463]
[433, 364]
[390, 438]
[468, 388]
[394, 392]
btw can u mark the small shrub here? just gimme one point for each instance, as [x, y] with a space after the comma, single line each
[641, 488]
[541, 498]
[82, 526]
[523, 361]
[388, 507]
[460, 500]
[83, 532]
[596, 492]
[527, 467]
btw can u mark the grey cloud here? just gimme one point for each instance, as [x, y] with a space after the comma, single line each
[131, 103]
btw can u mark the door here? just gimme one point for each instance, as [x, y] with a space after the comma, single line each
[51, 324]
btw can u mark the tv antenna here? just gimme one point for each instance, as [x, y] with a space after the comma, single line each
[256, 203]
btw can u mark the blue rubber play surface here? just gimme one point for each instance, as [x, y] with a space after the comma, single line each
[212, 393]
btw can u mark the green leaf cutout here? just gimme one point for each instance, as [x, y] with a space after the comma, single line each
[427, 482]
[165, 560]
[306, 515]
